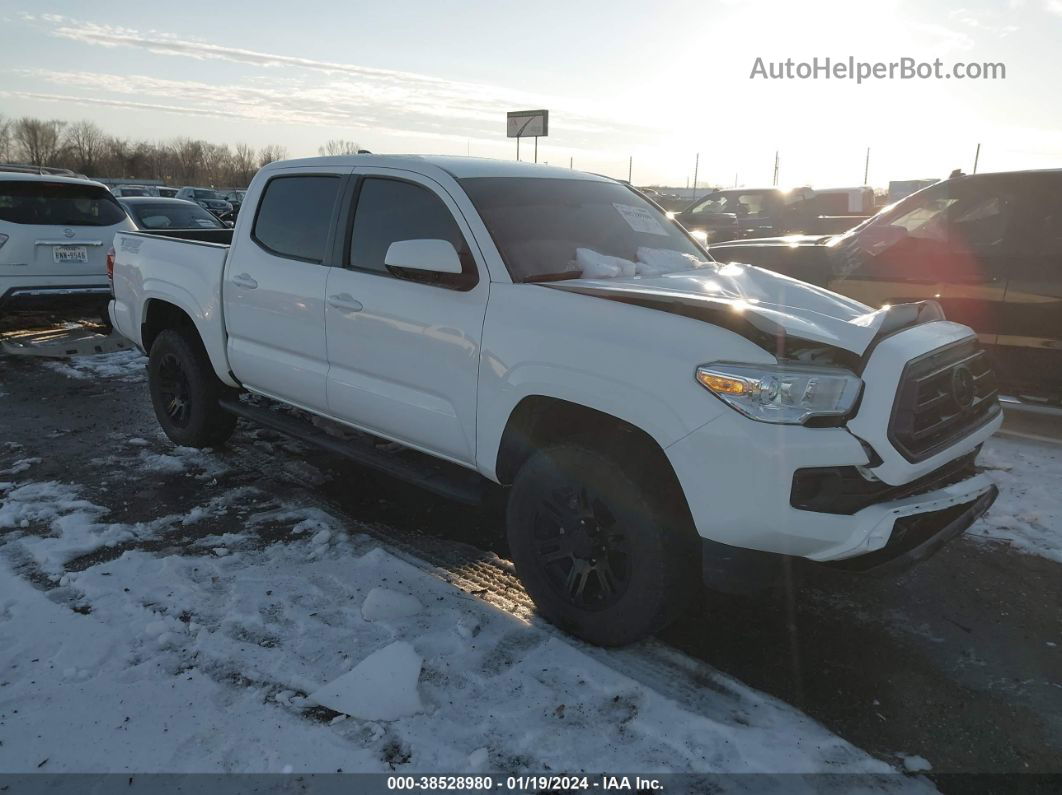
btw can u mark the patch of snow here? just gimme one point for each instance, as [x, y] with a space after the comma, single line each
[602, 266]
[124, 365]
[199, 663]
[161, 462]
[383, 686]
[385, 605]
[1027, 515]
[658, 261]
[913, 763]
[20, 466]
[202, 463]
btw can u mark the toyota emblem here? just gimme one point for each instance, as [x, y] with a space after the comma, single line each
[68, 233]
[962, 387]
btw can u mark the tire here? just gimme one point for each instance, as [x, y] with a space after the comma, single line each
[622, 568]
[185, 391]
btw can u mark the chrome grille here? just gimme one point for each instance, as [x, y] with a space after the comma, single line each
[942, 396]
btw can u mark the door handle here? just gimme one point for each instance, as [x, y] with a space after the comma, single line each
[345, 302]
[244, 280]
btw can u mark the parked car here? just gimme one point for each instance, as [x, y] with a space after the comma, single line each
[987, 247]
[740, 212]
[207, 198]
[652, 413]
[54, 236]
[151, 212]
[127, 191]
[235, 198]
[830, 211]
[166, 192]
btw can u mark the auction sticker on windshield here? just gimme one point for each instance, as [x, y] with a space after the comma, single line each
[69, 254]
[640, 220]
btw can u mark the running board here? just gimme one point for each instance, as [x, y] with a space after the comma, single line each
[440, 477]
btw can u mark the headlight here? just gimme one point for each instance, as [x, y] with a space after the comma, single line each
[788, 395]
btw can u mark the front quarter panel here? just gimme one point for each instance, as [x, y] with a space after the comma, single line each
[633, 363]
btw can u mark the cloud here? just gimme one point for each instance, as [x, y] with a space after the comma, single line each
[350, 96]
[1054, 7]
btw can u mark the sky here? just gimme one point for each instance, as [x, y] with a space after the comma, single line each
[654, 87]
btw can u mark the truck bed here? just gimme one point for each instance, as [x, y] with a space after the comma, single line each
[175, 266]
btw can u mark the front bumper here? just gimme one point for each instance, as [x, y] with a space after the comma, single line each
[737, 476]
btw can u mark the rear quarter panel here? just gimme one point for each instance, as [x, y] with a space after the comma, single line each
[184, 273]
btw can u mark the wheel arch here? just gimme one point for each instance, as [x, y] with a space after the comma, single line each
[540, 420]
[159, 314]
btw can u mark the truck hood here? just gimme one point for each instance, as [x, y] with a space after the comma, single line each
[760, 304]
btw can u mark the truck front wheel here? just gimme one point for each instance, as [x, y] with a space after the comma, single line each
[598, 549]
[185, 391]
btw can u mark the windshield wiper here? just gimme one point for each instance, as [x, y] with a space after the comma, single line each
[552, 277]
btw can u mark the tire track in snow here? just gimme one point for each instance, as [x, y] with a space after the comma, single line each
[673, 674]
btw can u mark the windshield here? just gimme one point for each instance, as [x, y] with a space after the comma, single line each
[921, 215]
[205, 194]
[58, 204]
[173, 216]
[740, 203]
[547, 229]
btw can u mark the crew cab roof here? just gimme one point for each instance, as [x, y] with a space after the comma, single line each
[457, 167]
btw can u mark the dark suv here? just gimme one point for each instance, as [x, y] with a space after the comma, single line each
[987, 247]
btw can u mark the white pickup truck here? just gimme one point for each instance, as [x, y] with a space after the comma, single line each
[656, 416]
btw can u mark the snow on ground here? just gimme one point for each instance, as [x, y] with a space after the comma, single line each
[1028, 513]
[205, 662]
[124, 365]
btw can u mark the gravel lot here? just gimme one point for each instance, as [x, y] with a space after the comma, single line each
[955, 666]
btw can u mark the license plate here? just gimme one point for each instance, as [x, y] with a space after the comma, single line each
[70, 253]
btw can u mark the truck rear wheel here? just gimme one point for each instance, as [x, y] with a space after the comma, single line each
[185, 391]
[599, 552]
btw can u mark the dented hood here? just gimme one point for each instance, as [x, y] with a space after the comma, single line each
[765, 303]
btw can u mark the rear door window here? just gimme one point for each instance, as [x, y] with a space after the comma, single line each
[295, 216]
[58, 204]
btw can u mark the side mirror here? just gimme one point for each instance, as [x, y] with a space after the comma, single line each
[434, 256]
[229, 224]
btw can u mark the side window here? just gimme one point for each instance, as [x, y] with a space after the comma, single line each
[389, 210]
[295, 216]
[1038, 221]
[981, 219]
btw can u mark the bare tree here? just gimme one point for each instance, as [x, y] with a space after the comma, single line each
[338, 146]
[189, 155]
[84, 147]
[37, 142]
[85, 144]
[5, 140]
[271, 153]
[243, 165]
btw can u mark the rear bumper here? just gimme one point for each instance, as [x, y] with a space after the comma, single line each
[53, 296]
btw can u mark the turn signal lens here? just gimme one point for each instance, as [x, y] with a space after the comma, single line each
[723, 384]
